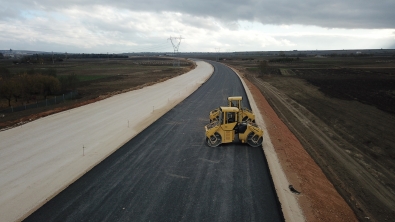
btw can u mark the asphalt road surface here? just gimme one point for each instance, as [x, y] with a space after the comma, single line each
[168, 173]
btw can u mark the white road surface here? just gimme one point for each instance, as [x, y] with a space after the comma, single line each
[41, 158]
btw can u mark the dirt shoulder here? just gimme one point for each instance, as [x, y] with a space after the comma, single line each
[338, 141]
[341, 112]
[318, 198]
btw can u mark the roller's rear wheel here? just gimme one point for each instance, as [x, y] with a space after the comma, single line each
[214, 140]
[254, 140]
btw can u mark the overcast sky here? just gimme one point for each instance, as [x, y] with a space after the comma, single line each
[115, 26]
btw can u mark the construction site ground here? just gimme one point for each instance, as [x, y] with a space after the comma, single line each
[41, 158]
[99, 79]
[341, 111]
[349, 134]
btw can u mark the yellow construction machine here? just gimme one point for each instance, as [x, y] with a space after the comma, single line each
[235, 101]
[229, 127]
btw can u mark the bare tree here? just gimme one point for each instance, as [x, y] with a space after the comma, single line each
[6, 90]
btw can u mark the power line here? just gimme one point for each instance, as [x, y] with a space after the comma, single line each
[175, 41]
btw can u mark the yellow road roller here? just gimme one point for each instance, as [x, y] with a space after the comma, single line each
[229, 127]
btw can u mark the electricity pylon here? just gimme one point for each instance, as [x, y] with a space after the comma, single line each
[175, 41]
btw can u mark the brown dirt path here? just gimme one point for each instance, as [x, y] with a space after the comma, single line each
[319, 199]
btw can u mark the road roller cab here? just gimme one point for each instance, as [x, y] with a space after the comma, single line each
[235, 101]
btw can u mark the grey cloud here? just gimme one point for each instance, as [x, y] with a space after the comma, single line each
[8, 12]
[231, 25]
[98, 25]
[198, 23]
[331, 14]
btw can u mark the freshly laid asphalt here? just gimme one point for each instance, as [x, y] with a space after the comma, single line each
[168, 173]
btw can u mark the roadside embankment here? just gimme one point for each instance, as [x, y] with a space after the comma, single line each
[41, 158]
[290, 164]
[288, 201]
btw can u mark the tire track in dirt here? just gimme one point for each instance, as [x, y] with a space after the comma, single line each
[319, 131]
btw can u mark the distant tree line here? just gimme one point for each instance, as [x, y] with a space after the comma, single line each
[32, 84]
[52, 58]
[285, 60]
[349, 55]
[102, 56]
[38, 59]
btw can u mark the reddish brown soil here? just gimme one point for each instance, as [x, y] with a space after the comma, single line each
[319, 200]
[341, 111]
[350, 141]
[367, 141]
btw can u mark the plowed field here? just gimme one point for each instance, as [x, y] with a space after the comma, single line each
[343, 113]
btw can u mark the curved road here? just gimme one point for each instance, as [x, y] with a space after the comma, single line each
[168, 173]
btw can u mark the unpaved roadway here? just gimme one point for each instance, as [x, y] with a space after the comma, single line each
[168, 173]
[42, 157]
